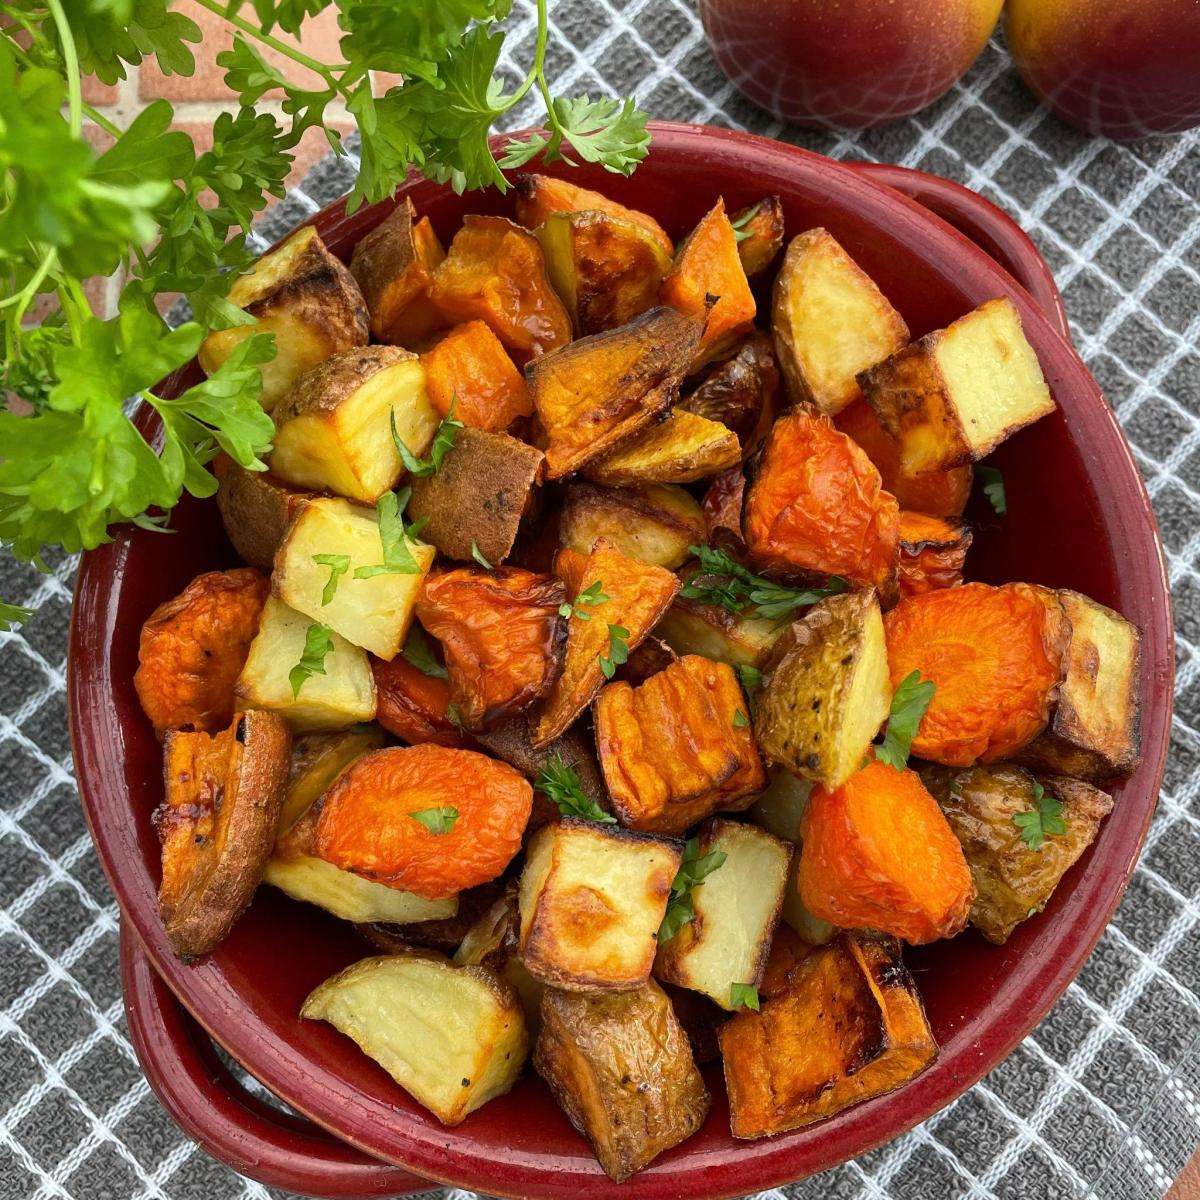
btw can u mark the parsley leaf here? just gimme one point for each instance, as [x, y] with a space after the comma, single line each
[909, 702]
[742, 220]
[394, 537]
[561, 783]
[453, 715]
[604, 131]
[693, 869]
[12, 615]
[751, 677]
[590, 596]
[442, 444]
[740, 720]
[743, 995]
[993, 488]
[437, 820]
[417, 653]
[318, 642]
[479, 556]
[338, 565]
[723, 581]
[618, 650]
[1044, 818]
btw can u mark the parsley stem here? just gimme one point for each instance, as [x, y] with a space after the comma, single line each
[23, 298]
[539, 54]
[98, 118]
[70, 65]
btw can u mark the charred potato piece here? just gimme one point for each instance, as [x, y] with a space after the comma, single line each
[478, 496]
[334, 430]
[848, 1026]
[690, 627]
[737, 907]
[932, 553]
[317, 760]
[680, 449]
[592, 898]
[656, 524]
[830, 322]
[256, 509]
[739, 393]
[1093, 731]
[1013, 880]
[342, 696]
[622, 1069]
[493, 942]
[373, 612]
[603, 389]
[395, 1007]
[606, 269]
[956, 394]
[827, 691]
[759, 230]
[222, 797]
[722, 504]
[468, 370]
[304, 296]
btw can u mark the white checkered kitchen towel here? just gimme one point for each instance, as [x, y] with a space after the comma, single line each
[1104, 1099]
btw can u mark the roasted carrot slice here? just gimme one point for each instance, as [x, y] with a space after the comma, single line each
[994, 656]
[932, 552]
[424, 819]
[414, 706]
[470, 369]
[879, 854]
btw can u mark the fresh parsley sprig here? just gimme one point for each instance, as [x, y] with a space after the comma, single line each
[1044, 819]
[743, 995]
[561, 783]
[318, 641]
[618, 650]
[724, 582]
[12, 615]
[909, 702]
[588, 597]
[694, 868]
[442, 444]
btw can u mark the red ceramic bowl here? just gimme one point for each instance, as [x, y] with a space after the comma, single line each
[1078, 516]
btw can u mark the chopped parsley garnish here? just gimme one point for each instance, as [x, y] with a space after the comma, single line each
[993, 488]
[740, 720]
[590, 596]
[909, 702]
[693, 869]
[318, 642]
[740, 230]
[394, 538]
[437, 820]
[743, 995]
[442, 444]
[417, 653]
[1045, 818]
[561, 783]
[618, 650]
[751, 677]
[724, 582]
[338, 565]
[480, 557]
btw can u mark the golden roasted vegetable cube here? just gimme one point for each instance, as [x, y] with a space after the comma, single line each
[592, 898]
[256, 509]
[334, 429]
[622, 1069]
[736, 910]
[680, 449]
[690, 627]
[317, 760]
[656, 524]
[827, 690]
[304, 296]
[396, 1008]
[956, 394]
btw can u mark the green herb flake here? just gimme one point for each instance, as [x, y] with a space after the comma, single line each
[1045, 818]
[561, 783]
[437, 820]
[442, 444]
[993, 488]
[751, 677]
[479, 557]
[724, 582]
[693, 869]
[590, 596]
[418, 653]
[618, 650]
[394, 538]
[909, 702]
[12, 615]
[740, 230]
[740, 720]
[318, 641]
[338, 565]
[743, 995]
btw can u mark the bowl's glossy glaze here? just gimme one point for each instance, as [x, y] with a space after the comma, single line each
[1078, 516]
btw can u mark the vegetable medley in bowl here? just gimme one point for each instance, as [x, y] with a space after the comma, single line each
[605, 655]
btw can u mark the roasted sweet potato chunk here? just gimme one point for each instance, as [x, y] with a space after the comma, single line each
[679, 449]
[193, 648]
[656, 523]
[993, 654]
[470, 370]
[932, 553]
[759, 229]
[741, 392]
[606, 388]
[256, 509]
[495, 272]
[502, 637]
[415, 706]
[674, 750]
[223, 793]
[848, 1025]
[426, 819]
[816, 505]
[878, 854]
[635, 595]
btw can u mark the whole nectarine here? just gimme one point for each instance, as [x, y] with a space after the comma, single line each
[849, 62]
[1122, 68]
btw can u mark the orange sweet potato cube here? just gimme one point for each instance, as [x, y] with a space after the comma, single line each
[470, 368]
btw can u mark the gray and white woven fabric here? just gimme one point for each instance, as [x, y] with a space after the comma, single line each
[1103, 1099]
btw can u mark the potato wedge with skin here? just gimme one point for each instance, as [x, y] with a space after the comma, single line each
[953, 396]
[739, 393]
[493, 942]
[591, 899]
[622, 1069]
[605, 268]
[396, 1009]
[932, 553]
[444, 935]
[478, 495]
[849, 1026]
[690, 627]
[599, 391]
[1094, 726]
[655, 524]
[759, 229]
[679, 449]
[722, 504]
[334, 429]
[222, 796]
[344, 695]
[470, 371]
[317, 760]
[830, 321]
[827, 690]
[303, 295]
[737, 907]
[256, 509]
[374, 612]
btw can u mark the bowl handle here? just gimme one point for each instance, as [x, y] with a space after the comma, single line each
[987, 225]
[276, 1148]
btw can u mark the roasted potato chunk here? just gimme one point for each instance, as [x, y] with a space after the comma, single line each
[956, 394]
[416, 706]
[678, 747]
[1014, 880]
[679, 449]
[304, 296]
[606, 269]
[317, 760]
[622, 1069]
[256, 509]
[603, 389]
[655, 524]
[848, 1026]
[830, 322]
[470, 371]
[827, 690]
[194, 646]
[932, 553]
[222, 796]
[477, 497]
[341, 695]
[502, 637]
[759, 230]
[739, 393]
[592, 898]
[495, 272]
[493, 941]
[1093, 731]
[373, 612]
[690, 627]
[395, 1007]
[334, 430]
[737, 907]
[444, 935]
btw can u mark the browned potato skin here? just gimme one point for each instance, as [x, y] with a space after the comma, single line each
[622, 1069]
[761, 235]
[1012, 880]
[317, 759]
[741, 392]
[256, 508]
[622, 514]
[681, 448]
[388, 266]
[444, 935]
[324, 388]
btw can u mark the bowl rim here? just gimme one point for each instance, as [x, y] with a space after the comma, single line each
[735, 1168]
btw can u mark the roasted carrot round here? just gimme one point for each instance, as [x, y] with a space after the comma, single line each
[993, 654]
[414, 706]
[932, 553]
[879, 854]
